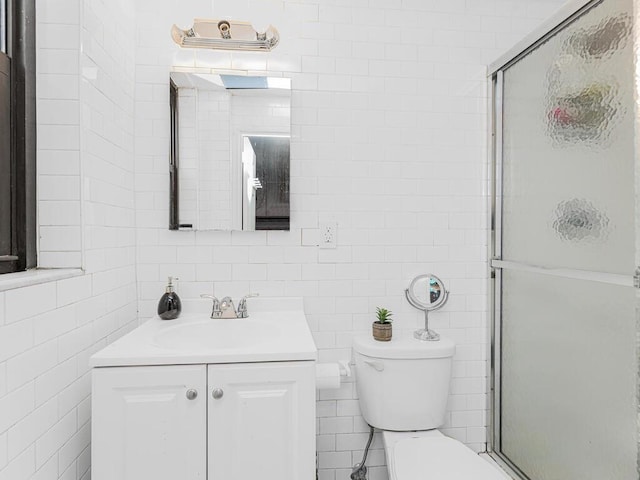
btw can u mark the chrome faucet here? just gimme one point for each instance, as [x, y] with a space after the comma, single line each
[216, 312]
[226, 308]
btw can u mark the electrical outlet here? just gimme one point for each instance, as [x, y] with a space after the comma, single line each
[328, 233]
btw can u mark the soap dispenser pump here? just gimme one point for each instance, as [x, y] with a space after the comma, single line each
[169, 306]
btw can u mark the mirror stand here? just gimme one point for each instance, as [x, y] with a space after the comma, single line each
[435, 302]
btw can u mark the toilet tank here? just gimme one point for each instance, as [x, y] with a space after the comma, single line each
[403, 384]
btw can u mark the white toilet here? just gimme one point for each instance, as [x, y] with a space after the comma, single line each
[403, 387]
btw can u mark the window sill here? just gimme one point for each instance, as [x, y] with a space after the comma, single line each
[9, 281]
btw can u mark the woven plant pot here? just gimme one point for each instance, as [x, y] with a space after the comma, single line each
[382, 331]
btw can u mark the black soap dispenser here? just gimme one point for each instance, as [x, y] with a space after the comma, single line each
[169, 306]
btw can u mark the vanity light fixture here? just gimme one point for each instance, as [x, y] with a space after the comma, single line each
[225, 35]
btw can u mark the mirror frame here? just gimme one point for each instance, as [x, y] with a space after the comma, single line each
[174, 190]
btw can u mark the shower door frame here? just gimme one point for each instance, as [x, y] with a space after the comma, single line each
[566, 15]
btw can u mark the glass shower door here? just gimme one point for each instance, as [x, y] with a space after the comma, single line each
[565, 365]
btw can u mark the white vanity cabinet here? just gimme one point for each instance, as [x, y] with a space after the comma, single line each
[197, 398]
[236, 421]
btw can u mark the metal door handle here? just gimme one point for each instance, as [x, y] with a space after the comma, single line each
[217, 393]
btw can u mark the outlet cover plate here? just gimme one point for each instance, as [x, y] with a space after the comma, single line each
[328, 235]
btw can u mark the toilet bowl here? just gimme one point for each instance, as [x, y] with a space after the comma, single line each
[403, 386]
[430, 454]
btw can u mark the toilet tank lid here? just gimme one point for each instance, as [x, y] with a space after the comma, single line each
[403, 346]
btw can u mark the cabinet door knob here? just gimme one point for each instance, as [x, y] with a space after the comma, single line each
[192, 393]
[217, 393]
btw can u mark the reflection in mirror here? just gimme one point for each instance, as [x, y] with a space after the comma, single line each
[266, 182]
[427, 293]
[435, 290]
[427, 290]
[231, 146]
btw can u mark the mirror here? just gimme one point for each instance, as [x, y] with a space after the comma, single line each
[230, 149]
[427, 292]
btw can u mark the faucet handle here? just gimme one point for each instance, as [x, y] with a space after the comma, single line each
[242, 305]
[216, 312]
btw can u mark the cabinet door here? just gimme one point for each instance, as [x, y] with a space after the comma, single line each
[143, 425]
[263, 426]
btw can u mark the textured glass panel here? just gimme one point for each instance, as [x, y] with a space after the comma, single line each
[568, 147]
[568, 378]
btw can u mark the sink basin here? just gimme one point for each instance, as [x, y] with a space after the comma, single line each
[277, 330]
[217, 333]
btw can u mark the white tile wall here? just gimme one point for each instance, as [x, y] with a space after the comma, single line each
[388, 141]
[85, 208]
[58, 117]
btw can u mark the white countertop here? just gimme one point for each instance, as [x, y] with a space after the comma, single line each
[276, 330]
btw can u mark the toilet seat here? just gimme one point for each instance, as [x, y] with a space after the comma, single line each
[421, 455]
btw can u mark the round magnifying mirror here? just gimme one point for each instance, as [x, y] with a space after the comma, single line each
[427, 292]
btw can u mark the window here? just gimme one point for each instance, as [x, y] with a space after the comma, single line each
[17, 135]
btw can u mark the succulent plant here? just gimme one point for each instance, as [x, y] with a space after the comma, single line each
[384, 315]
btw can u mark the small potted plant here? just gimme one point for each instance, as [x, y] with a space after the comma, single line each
[382, 327]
